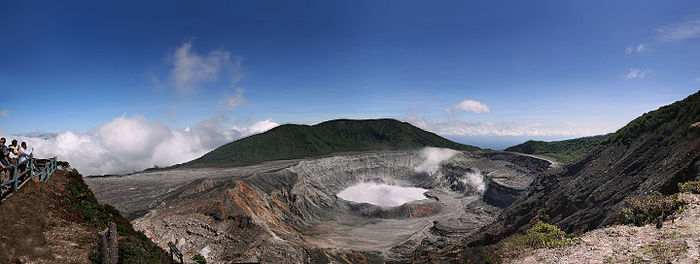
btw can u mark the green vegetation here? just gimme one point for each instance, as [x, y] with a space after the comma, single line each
[62, 163]
[642, 210]
[82, 207]
[670, 122]
[563, 151]
[199, 259]
[540, 235]
[689, 187]
[335, 136]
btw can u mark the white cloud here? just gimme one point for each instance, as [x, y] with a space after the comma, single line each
[256, 128]
[5, 113]
[635, 49]
[191, 70]
[128, 144]
[509, 128]
[469, 106]
[688, 29]
[635, 73]
[234, 100]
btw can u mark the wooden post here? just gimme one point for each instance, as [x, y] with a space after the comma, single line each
[174, 251]
[113, 246]
[104, 248]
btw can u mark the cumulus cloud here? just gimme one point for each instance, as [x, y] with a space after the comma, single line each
[5, 113]
[635, 73]
[469, 106]
[689, 29]
[635, 49]
[432, 158]
[382, 194]
[128, 144]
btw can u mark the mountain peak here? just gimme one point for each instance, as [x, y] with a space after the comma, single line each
[293, 141]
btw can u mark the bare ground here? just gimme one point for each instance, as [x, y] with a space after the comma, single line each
[36, 227]
[676, 242]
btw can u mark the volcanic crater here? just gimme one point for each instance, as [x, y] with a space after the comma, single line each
[290, 211]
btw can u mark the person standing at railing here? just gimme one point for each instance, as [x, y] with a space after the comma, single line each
[24, 156]
[4, 152]
[14, 152]
[4, 163]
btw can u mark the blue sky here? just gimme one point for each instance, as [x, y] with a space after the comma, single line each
[544, 69]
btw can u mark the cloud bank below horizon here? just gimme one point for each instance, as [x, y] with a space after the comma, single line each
[129, 144]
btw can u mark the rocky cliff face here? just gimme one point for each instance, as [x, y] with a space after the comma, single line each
[290, 213]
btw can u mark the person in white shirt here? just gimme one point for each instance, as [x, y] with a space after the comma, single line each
[24, 155]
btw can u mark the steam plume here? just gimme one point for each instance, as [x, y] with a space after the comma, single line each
[432, 158]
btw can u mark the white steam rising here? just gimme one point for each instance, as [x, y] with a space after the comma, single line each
[475, 180]
[383, 195]
[128, 144]
[432, 158]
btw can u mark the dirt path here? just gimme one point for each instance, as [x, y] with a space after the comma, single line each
[676, 242]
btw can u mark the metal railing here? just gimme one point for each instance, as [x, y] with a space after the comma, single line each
[27, 170]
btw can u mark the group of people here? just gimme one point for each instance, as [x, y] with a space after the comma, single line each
[10, 156]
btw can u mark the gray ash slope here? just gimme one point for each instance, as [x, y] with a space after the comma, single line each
[288, 211]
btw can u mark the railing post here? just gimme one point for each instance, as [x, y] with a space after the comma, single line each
[14, 178]
[52, 163]
[30, 166]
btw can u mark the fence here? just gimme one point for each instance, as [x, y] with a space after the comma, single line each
[27, 170]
